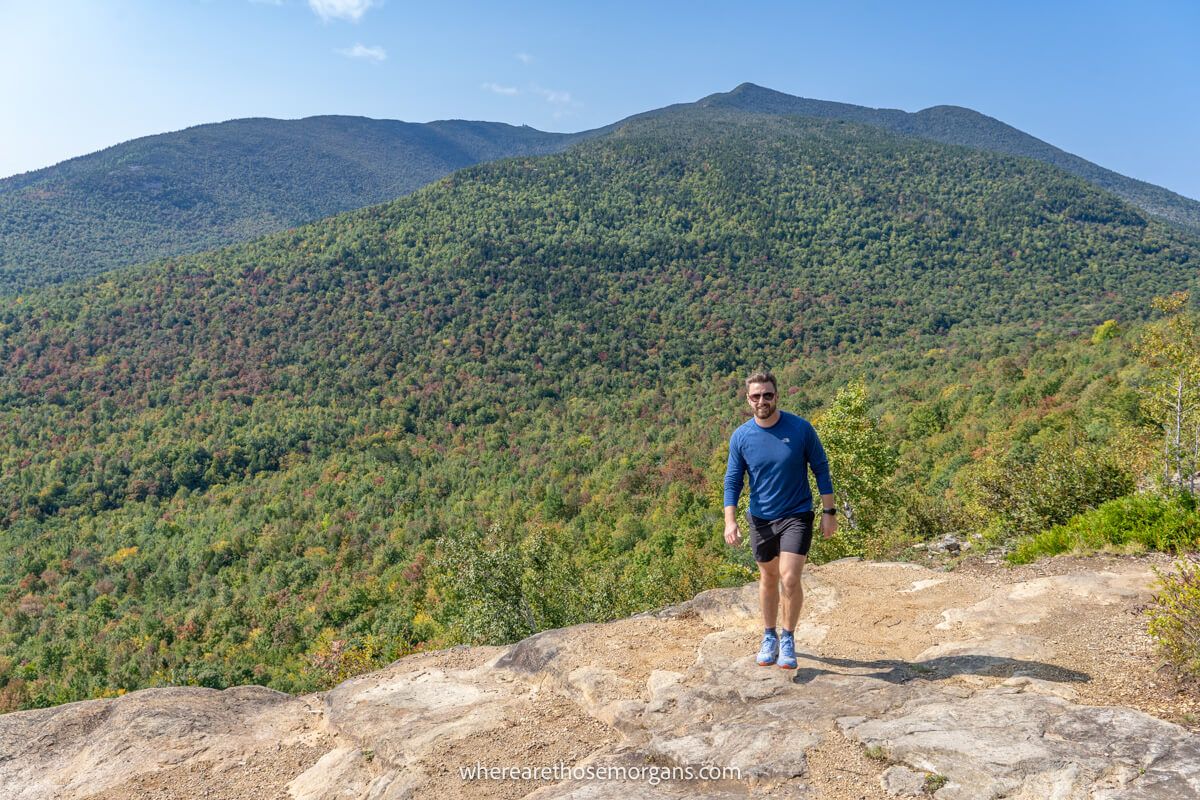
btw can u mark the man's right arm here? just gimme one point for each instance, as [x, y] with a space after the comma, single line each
[733, 534]
[735, 473]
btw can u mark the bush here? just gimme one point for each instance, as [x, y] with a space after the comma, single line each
[1132, 523]
[1175, 616]
[1023, 493]
[485, 599]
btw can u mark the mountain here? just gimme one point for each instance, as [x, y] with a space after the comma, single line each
[957, 125]
[513, 388]
[213, 185]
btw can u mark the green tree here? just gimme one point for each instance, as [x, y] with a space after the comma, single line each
[483, 587]
[862, 463]
[1170, 348]
[1106, 330]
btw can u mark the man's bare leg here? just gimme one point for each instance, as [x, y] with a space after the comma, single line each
[768, 591]
[768, 598]
[789, 568]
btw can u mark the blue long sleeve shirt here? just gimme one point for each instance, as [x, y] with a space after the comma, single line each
[778, 459]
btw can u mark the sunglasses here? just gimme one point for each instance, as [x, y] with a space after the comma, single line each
[768, 396]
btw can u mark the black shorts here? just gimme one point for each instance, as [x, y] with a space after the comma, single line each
[770, 537]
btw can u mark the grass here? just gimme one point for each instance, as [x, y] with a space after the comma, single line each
[877, 753]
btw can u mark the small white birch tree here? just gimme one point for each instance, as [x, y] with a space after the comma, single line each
[1170, 348]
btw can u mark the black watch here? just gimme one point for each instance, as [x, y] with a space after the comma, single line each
[830, 511]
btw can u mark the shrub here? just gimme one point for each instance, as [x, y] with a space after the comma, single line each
[1109, 329]
[1027, 492]
[1175, 616]
[483, 589]
[933, 782]
[335, 660]
[1130, 523]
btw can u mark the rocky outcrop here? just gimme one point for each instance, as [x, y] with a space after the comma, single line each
[912, 682]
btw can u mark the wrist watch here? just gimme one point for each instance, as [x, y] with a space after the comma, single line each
[830, 511]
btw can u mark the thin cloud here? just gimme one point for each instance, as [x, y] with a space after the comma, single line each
[341, 9]
[361, 51]
[524, 58]
[498, 89]
[558, 97]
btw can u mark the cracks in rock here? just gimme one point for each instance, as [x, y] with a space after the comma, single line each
[1149, 765]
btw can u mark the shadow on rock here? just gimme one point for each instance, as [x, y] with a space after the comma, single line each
[940, 668]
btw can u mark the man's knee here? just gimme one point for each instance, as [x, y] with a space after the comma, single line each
[790, 570]
[769, 569]
[790, 580]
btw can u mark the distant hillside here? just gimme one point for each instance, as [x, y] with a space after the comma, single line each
[215, 467]
[213, 185]
[956, 125]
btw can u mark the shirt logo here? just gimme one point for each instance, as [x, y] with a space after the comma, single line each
[786, 440]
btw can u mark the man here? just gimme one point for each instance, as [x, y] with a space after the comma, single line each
[777, 449]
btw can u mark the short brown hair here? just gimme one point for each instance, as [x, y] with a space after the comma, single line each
[763, 376]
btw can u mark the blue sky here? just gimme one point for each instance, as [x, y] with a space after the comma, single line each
[1115, 82]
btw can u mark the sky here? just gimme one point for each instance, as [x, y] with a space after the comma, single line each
[1117, 83]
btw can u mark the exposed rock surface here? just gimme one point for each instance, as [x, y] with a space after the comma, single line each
[992, 684]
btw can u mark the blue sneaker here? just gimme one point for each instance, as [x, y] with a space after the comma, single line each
[769, 650]
[787, 651]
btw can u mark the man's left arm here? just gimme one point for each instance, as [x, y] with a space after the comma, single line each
[828, 521]
[818, 462]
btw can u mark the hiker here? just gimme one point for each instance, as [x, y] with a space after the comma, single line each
[777, 449]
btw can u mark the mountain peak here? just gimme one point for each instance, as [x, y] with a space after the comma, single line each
[744, 88]
[958, 125]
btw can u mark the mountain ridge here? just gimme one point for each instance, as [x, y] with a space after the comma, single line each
[972, 129]
[218, 183]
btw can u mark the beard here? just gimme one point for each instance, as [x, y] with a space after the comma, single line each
[764, 410]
